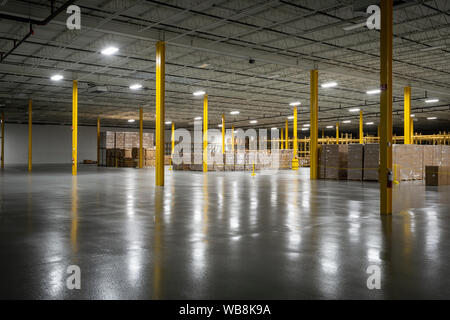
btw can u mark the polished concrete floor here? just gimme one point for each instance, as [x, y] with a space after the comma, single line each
[217, 236]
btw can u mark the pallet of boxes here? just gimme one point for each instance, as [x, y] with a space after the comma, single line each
[121, 149]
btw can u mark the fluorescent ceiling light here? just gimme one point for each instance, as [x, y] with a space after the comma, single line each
[109, 51]
[305, 129]
[431, 100]
[307, 125]
[369, 123]
[431, 118]
[57, 77]
[432, 48]
[290, 117]
[354, 110]
[295, 104]
[168, 122]
[219, 125]
[330, 127]
[203, 65]
[329, 85]
[254, 121]
[347, 121]
[131, 120]
[198, 118]
[354, 26]
[413, 115]
[199, 93]
[136, 86]
[234, 112]
[375, 91]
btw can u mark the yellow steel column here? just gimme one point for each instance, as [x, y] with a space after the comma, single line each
[286, 136]
[205, 133]
[98, 141]
[337, 132]
[160, 113]
[75, 128]
[141, 138]
[3, 141]
[386, 176]
[295, 143]
[282, 139]
[411, 130]
[407, 115]
[361, 129]
[314, 115]
[223, 134]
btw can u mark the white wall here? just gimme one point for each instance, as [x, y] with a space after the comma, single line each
[52, 143]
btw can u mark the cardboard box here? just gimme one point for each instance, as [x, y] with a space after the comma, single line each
[408, 158]
[336, 161]
[437, 175]
[371, 161]
[355, 162]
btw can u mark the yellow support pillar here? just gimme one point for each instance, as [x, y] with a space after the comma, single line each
[98, 141]
[141, 138]
[30, 135]
[205, 133]
[314, 117]
[160, 112]
[286, 136]
[75, 128]
[223, 134]
[386, 176]
[337, 132]
[3, 141]
[411, 130]
[361, 128]
[282, 139]
[295, 143]
[407, 115]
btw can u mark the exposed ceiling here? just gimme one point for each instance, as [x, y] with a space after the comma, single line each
[208, 46]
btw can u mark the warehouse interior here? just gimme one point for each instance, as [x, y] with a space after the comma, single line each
[351, 176]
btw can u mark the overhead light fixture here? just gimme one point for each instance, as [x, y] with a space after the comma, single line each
[347, 121]
[329, 85]
[431, 118]
[375, 91]
[203, 65]
[199, 93]
[253, 121]
[431, 100]
[295, 104]
[290, 117]
[354, 26]
[219, 125]
[330, 127]
[354, 110]
[131, 120]
[307, 125]
[168, 122]
[198, 118]
[432, 48]
[110, 51]
[136, 86]
[234, 112]
[413, 115]
[57, 77]
[305, 129]
[369, 123]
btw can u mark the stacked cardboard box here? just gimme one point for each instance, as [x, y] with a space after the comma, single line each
[371, 161]
[437, 175]
[336, 161]
[355, 162]
[321, 162]
[408, 158]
